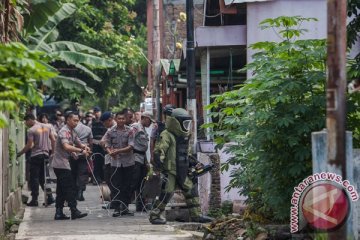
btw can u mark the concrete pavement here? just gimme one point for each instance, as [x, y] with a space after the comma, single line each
[39, 224]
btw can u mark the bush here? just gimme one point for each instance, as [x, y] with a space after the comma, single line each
[21, 70]
[271, 117]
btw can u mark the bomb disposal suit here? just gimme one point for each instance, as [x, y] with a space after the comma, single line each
[171, 158]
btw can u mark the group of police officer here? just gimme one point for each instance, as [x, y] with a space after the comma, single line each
[124, 145]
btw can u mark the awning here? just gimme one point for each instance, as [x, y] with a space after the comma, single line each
[228, 2]
[171, 67]
[165, 63]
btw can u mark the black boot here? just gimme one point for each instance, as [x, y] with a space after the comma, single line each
[109, 205]
[50, 199]
[80, 196]
[117, 212]
[139, 205]
[75, 213]
[122, 211]
[33, 203]
[157, 217]
[59, 215]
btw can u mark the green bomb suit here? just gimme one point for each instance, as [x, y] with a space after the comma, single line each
[173, 175]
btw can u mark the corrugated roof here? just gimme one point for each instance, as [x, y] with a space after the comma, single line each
[228, 2]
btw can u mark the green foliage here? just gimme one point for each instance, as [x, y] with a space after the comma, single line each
[11, 221]
[353, 73]
[42, 33]
[353, 27]
[21, 70]
[253, 230]
[271, 116]
[40, 13]
[112, 28]
[12, 151]
[226, 209]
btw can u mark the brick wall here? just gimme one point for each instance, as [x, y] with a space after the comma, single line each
[174, 30]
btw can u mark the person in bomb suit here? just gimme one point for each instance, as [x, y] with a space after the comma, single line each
[159, 126]
[171, 157]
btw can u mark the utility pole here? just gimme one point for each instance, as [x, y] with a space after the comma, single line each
[156, 59]
[190, 70]
[336, 87]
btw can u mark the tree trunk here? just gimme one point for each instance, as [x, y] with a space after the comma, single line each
[5, 34]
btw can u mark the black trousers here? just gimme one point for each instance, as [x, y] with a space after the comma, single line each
[138, 176]
[98, 162]
[65, 188]
[37, 174]
[121, 181]
[79, 172]
[107, 175]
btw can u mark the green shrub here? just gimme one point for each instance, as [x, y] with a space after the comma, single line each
[226, 209]
[21, 70]
[271, 116]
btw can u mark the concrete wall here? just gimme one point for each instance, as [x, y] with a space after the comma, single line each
[212, 186]
[12, 171]
[233, 194]
[259, 11]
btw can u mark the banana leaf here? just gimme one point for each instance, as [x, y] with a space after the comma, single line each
[74, 47]
[73, 58]
[68, 83]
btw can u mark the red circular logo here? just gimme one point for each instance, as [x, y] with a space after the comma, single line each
[325, 206]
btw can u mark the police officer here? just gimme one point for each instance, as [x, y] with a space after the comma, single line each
[107, 119]
[141, 143]
[79, 165]
[66, 144]
[98, 130]
[41, 141]
[171, 158]
[119, 143]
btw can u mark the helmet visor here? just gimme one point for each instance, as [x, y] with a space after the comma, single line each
[186, 124]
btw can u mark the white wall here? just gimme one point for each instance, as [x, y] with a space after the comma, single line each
[225, 178]
[259, 11]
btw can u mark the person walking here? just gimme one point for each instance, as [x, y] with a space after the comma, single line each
[67, 144]
[41, 141]
[141, 143]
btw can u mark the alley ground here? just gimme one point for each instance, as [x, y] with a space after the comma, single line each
[39, 224]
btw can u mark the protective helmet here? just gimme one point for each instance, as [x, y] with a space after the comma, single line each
[167, 110]
[183, 117]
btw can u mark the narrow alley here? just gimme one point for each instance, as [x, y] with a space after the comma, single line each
[39, 224]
